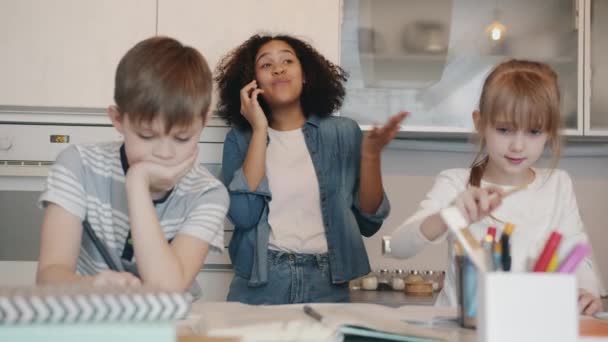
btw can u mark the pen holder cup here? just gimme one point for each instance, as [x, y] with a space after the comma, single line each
[527, 307]
[466, 276]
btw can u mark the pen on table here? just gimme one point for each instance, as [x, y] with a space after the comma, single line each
[547, 253]
[313, 313]
[578, 253]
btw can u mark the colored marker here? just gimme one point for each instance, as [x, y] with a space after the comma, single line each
[487, 249]
[506, 252]
[553, 263]
[578, 253]
[508, 229]
[492, 233]
[497, 256]
[505, 241]
[545, 256]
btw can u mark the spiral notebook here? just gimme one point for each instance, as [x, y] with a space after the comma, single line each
[70, 304]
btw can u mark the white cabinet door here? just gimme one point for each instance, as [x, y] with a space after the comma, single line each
[431, 57]
[217, 26]
[215, 284]
[596, 119]
[64, 53]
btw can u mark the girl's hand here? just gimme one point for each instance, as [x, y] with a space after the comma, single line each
[113, 278]
[375, 140]
[475, 203]
[159, 177]
[588, 304]
[250, 107]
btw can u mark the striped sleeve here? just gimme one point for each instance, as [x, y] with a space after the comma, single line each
[64, 184]
[206, 220]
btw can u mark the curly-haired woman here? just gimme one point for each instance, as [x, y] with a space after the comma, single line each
[304, 185]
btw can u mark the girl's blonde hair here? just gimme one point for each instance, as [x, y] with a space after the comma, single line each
[523, 94]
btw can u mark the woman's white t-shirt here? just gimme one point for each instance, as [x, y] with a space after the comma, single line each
[294, 214]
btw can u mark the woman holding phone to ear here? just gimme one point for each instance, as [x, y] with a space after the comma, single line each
[304, 185]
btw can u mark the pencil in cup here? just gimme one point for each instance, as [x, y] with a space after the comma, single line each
[466, 287]
[505, 246]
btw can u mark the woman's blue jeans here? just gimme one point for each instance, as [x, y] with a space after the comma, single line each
[292, 278]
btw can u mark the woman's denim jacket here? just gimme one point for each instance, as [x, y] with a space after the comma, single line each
[334, 144]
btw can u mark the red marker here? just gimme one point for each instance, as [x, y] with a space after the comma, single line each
[492, 232]
[545, 257]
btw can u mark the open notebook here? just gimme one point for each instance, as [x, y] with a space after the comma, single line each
[290, 323]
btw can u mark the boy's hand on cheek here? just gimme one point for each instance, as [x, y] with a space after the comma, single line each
[113, 278]
[160, 177]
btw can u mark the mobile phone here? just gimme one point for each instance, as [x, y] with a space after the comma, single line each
[601, 315]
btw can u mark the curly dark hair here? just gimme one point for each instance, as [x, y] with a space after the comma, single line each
[322, 94]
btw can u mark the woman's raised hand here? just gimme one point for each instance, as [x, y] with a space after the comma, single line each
[375, 140]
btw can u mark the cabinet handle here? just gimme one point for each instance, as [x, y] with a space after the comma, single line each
[576, 4]
[6, 143]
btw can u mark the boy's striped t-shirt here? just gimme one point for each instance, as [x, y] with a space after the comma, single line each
[89, 182]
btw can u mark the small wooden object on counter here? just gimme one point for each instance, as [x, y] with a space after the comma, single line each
[415, 285]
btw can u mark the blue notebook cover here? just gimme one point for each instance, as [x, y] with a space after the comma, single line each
[90, 332]
[355, 334]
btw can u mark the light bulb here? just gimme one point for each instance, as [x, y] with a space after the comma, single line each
[496, 31]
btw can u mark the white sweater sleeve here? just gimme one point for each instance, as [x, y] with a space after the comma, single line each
[573, 231]
[407, 240]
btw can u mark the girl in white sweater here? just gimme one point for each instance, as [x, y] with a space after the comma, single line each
[518, 115]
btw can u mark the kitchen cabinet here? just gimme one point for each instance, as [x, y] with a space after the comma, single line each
[63, 53]
[431, 57]
[596, 114]
[427, 57]
[217, 26]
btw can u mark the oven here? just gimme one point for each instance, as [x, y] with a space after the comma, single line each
[30, 140]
